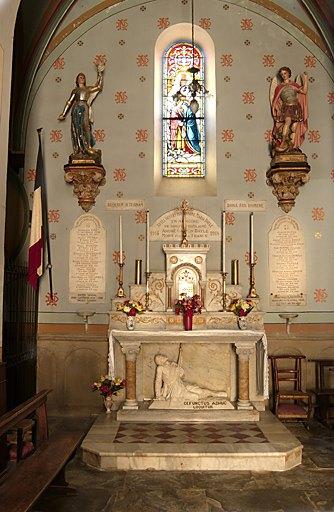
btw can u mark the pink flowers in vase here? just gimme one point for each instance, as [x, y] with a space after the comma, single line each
[188, 304]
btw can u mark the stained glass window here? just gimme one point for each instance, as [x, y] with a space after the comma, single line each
[183, 125]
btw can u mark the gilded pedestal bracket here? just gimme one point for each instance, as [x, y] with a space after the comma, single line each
[86, 179]
[286, 174]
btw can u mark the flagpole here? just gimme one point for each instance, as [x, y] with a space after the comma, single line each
[46, 232]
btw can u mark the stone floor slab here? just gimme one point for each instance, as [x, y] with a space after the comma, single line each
[185, 445]
[303, 489]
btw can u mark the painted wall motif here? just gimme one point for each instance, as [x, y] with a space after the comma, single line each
[251, 43]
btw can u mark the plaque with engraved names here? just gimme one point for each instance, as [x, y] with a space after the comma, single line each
[200, 227]
[287, 267]
[87, 261]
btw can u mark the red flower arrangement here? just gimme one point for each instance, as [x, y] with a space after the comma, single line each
[131, 307]
[188, 304]
[107, 386]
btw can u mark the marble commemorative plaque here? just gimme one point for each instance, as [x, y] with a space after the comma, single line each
[200, 227]
[287, 267]
[87, 260]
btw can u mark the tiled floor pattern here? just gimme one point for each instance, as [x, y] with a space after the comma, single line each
[189, 433]
[306, 488]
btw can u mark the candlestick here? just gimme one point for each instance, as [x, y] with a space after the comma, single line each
[252, 294]
[147, 294]
[224, 276]
[223, 242]
[138, 268]
[147, 241]
[120, 292]
[235, 272]
[120, 240]
[251, 238]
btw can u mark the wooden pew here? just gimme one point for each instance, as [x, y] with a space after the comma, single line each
[23, 485]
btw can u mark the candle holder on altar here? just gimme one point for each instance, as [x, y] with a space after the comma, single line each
[252, 294]
[120, 292]
[224, 294]
[147, 294]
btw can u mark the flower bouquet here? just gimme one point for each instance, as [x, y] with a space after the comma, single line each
[241, 308]
[107, 386]
[188, 306]
[131, 307]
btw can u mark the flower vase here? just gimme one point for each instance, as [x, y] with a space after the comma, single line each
[188, 320]
[108, 403]
[130, 323]
[242, 322]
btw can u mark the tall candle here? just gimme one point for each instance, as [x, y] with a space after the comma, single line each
[224, 242]
[147, 241]
[120, 240]
[251, 238]
[138, 265]
[235, 272]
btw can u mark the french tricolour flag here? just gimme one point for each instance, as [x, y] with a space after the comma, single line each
[36, 245]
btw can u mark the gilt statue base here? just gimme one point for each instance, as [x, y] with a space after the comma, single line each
[86, 178]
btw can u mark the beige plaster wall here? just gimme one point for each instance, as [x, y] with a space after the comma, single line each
[247, 54]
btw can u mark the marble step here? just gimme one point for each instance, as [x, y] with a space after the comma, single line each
[187, 415]
[124, 445]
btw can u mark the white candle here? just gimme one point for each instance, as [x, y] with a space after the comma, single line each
[120, 240]
[223, 242]
[251, 238]
[147, 241]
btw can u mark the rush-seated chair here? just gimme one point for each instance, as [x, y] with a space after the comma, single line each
[291, 403]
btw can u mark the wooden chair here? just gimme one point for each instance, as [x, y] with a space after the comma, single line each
[291, 403]
[324, 390]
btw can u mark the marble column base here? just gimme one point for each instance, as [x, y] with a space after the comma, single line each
[244, 405]
[130, 404]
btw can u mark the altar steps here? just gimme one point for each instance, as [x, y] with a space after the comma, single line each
[195, 416]
[190, 444]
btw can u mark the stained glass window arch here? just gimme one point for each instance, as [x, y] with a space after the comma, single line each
[183, 117]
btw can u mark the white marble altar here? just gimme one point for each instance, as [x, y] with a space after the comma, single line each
[231, 431]
[240, 368]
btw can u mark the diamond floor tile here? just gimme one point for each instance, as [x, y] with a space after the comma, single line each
[183, 433]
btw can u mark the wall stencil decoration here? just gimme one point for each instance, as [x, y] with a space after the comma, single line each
[84, 169]
[236, 147]
[87, 261]
[287, 265]
[289, 107]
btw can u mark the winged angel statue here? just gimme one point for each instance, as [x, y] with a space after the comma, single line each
[288, 100]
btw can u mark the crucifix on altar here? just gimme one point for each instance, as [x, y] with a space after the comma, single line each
[184, 208]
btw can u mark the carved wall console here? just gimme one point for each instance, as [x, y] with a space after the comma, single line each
[287, 173]
[86, 180]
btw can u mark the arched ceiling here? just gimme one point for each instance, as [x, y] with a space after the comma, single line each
[41, 23]
[41, 19]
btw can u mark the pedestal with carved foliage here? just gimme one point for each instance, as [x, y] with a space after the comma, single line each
[86, 179]
[287, 173]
